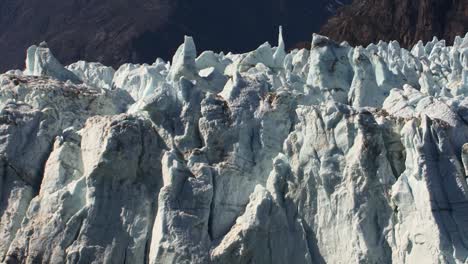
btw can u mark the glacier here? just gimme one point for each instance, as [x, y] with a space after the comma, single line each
[336, 154]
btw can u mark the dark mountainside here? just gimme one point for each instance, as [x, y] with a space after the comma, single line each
[118, 31]
[407, 21]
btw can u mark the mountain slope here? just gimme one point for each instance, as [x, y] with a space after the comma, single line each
[368, 21]
[115, 32]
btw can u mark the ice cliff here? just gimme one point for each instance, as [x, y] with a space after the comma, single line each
[336, 154]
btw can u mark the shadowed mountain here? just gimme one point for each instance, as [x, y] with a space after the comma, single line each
[408, 21]
[118, 31]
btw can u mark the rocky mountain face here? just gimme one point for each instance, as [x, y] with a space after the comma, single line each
[368, 21]
[116, 32]
[138, 31]
[333, 155]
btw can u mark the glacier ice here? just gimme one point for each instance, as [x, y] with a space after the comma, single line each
[94, 74]
[41, 62]
[336, 154]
